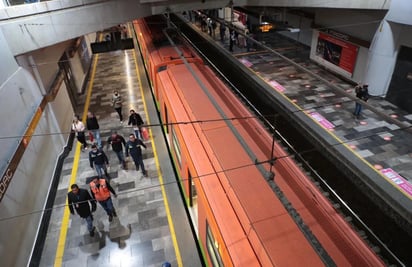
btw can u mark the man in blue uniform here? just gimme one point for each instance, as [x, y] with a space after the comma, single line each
[134, 146]
[99, 159]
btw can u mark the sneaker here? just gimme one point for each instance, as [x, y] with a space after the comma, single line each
[110, 218]
[121, 122]
[145, 174]
[114, 214]
[92, 231]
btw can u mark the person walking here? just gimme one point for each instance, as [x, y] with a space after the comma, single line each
[362, 93]
[99, 161]
[134, 148]
[93, 126]
[116, 141]
[78, 128]
[80, 200]
[209, 25]
[232, 39]
[100, 189]
[117, 104]
[136, 121]
[222, 30]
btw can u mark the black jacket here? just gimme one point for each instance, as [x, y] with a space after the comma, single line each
[135, 119]
[80, 203]
[134, 148]
[92, 124]
[97, 157]
[362, 92]
[116, 143]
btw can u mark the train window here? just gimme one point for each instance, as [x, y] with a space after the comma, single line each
[161, 68]
[176, 147]
[192, 189]
[212, 247]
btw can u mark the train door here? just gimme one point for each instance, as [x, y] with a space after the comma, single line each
[192, 199]
[212, 248]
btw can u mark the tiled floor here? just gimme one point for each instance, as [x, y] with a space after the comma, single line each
[140, 235]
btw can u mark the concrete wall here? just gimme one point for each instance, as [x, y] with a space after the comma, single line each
[360, 65]
[304, 36]
[22, 205]
[361, 24]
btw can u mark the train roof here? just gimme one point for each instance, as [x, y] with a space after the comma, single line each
[256, 206]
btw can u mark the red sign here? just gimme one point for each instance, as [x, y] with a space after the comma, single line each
[336, 51]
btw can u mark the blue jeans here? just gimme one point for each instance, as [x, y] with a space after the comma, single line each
[358, 109]
[96, 134]
[107, 206]
[138, 134]
[89, 221]
[100, 168]
[120, 156]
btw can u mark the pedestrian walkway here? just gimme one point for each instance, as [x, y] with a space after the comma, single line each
[143, 233]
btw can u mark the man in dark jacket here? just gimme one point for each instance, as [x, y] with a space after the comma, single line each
[80, 200]
[116, 141]
[100, 161]
[136, 121]
[93, 126]
[362, 93]
[134, 147]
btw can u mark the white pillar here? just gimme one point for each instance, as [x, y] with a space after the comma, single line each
[382, 58]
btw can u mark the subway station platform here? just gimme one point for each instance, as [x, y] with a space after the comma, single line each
[377, 144]
[152, 227]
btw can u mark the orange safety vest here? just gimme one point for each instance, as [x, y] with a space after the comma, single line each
[102, 193]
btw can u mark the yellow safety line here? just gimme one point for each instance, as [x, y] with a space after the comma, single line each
[159, 173]
[66, 215]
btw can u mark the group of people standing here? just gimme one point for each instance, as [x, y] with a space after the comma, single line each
[80, 200]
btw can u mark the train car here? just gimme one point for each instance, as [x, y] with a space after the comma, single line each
[222, 155]
[156, 59]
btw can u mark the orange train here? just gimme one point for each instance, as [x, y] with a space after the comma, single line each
[240, 220]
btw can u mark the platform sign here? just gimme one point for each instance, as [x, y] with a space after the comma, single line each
[401, 182]
[337, 52]
[277, 86]
[246, 62]
[321, 120]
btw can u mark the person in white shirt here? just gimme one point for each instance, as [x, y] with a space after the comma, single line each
[78, 128]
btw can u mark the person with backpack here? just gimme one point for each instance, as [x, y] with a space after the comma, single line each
[362, 93]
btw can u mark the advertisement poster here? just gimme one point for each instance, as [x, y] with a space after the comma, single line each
[337, 52]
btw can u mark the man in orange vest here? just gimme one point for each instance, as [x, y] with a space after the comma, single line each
[101, 189]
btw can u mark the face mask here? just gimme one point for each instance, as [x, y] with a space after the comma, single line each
[115, 94]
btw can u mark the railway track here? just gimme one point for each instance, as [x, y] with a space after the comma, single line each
[391, 243]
